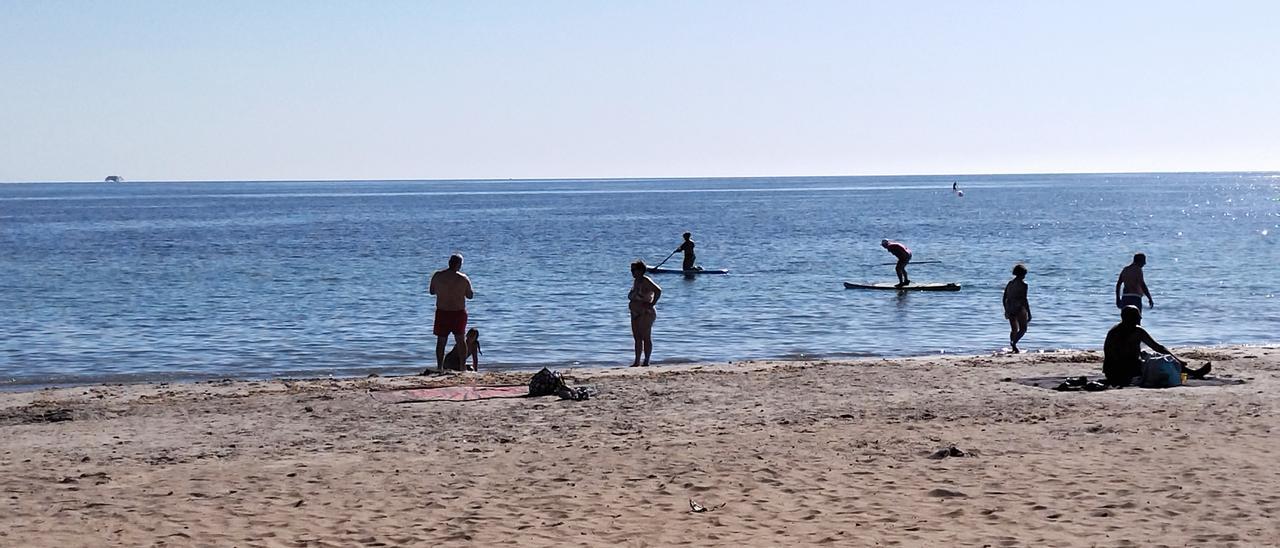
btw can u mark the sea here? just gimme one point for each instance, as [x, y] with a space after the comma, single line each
[179, 281]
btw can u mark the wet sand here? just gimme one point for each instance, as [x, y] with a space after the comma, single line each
[786, 454]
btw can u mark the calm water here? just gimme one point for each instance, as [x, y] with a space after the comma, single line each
[195, 280]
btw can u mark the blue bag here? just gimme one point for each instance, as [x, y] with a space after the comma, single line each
[1160, 371]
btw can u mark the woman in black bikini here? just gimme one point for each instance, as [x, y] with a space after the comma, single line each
[641, 299]
[1016, 308]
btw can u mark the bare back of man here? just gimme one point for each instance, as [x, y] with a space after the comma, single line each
[1131, 287]
[451, 288]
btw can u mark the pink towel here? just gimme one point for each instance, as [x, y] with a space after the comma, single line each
[449, 393]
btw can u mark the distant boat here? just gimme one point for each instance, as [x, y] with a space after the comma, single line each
[114, 179]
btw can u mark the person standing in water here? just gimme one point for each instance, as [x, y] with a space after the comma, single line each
[689, 257]
[452, 288]
[1131, 287]
[1016, 308]
[904, 256]
[641, 299]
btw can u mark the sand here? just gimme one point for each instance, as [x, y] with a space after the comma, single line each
[784, 454]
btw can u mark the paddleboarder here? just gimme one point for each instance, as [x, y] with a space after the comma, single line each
[689, 257]
[904, 256]
[452, 288]
[1016, 307]
[1131, 286]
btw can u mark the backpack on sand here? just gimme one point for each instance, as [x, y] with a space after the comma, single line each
[545, 383]
[548, 382]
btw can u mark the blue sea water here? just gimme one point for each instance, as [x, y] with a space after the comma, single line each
[162, 281]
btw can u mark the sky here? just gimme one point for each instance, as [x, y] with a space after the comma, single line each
[283, 90]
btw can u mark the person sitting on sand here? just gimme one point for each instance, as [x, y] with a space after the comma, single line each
[641, 299]
[904, 256]
[1122, 350]
[1016, 308]
[455, 361]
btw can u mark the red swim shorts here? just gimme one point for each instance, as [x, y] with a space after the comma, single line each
[450, 322]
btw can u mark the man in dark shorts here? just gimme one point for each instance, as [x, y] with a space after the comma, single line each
[1122, 351]
[452, 288]
[904, 256]
[1131, 286]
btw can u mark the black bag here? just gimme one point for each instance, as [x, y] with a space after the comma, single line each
[545, 383]
[548, 382]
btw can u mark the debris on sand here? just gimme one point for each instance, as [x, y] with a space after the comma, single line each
[698, 508]
[949, 451]
[947, 494]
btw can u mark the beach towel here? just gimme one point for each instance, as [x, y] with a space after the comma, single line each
[450, 393]
[1050, 383]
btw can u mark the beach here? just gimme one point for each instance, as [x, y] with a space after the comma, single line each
[795, 453]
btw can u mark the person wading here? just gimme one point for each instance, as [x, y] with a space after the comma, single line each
[452, 288]
[641, 299]
[1016, 307]
[1131, 286]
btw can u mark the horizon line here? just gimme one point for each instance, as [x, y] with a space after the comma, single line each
[667, 178]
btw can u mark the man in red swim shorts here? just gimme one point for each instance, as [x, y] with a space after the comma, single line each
[452, 288]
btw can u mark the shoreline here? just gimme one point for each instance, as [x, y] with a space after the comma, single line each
[124, 380]
[785, 453]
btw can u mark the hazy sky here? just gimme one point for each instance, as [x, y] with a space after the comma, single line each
[192, 90]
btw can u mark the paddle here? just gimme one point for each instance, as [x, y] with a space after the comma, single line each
[673, 254]
[912, 262]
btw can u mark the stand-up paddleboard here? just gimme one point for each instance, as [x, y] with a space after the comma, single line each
[912, 287]
[692, 272]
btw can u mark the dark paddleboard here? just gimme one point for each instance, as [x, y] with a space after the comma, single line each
[912, 287]
[687, 272]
